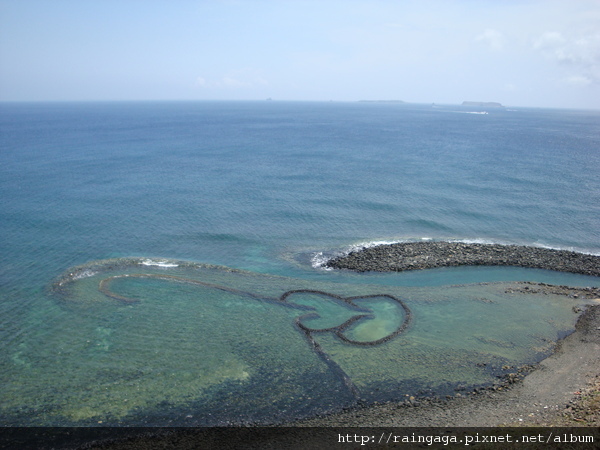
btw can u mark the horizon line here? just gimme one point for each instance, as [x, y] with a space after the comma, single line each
[384, 101]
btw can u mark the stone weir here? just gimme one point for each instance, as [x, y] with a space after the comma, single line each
[426, 255]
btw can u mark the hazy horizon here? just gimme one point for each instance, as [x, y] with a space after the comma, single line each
[250, 100]
[536, 53]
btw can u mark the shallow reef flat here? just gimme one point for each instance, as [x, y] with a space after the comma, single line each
[188, 344]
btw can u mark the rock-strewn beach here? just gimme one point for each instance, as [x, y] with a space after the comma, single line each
[564, 391]
[426, 255]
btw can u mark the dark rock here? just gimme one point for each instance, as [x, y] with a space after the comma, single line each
[424, 255]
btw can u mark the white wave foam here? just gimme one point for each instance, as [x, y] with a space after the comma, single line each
[369, 244]
[164, 263]
[319, 260]
[570, 249]
[466, 112]
[478, 241]
[84, 274]
[536, 244]
[76, 275]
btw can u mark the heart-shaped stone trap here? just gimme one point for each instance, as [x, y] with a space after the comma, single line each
[364, 320]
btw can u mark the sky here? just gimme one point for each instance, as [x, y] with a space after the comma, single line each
[537, 53]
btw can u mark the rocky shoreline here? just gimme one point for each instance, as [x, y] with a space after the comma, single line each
[562, 390]
[431, 254]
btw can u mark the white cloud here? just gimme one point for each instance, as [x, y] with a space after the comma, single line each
[493, 38]
[549, 41]
[234, 83]
[579, 55]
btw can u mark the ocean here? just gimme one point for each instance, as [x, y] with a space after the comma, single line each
[230, 209]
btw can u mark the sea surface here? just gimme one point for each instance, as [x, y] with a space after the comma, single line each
[161, 262]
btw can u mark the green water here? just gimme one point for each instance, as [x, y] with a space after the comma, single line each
[192, 344]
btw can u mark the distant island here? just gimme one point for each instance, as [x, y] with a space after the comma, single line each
[483, 104]
[382, 101]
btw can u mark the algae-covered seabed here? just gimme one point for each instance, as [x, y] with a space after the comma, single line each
[192, 344]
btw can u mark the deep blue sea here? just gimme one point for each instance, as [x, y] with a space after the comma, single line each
[269, 189]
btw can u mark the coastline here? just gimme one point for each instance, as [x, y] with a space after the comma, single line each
[562, 390]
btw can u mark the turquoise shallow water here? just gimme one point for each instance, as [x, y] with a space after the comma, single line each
[272, 189]
[191, 344]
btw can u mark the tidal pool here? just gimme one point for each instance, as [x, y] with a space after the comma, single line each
[134, 341]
